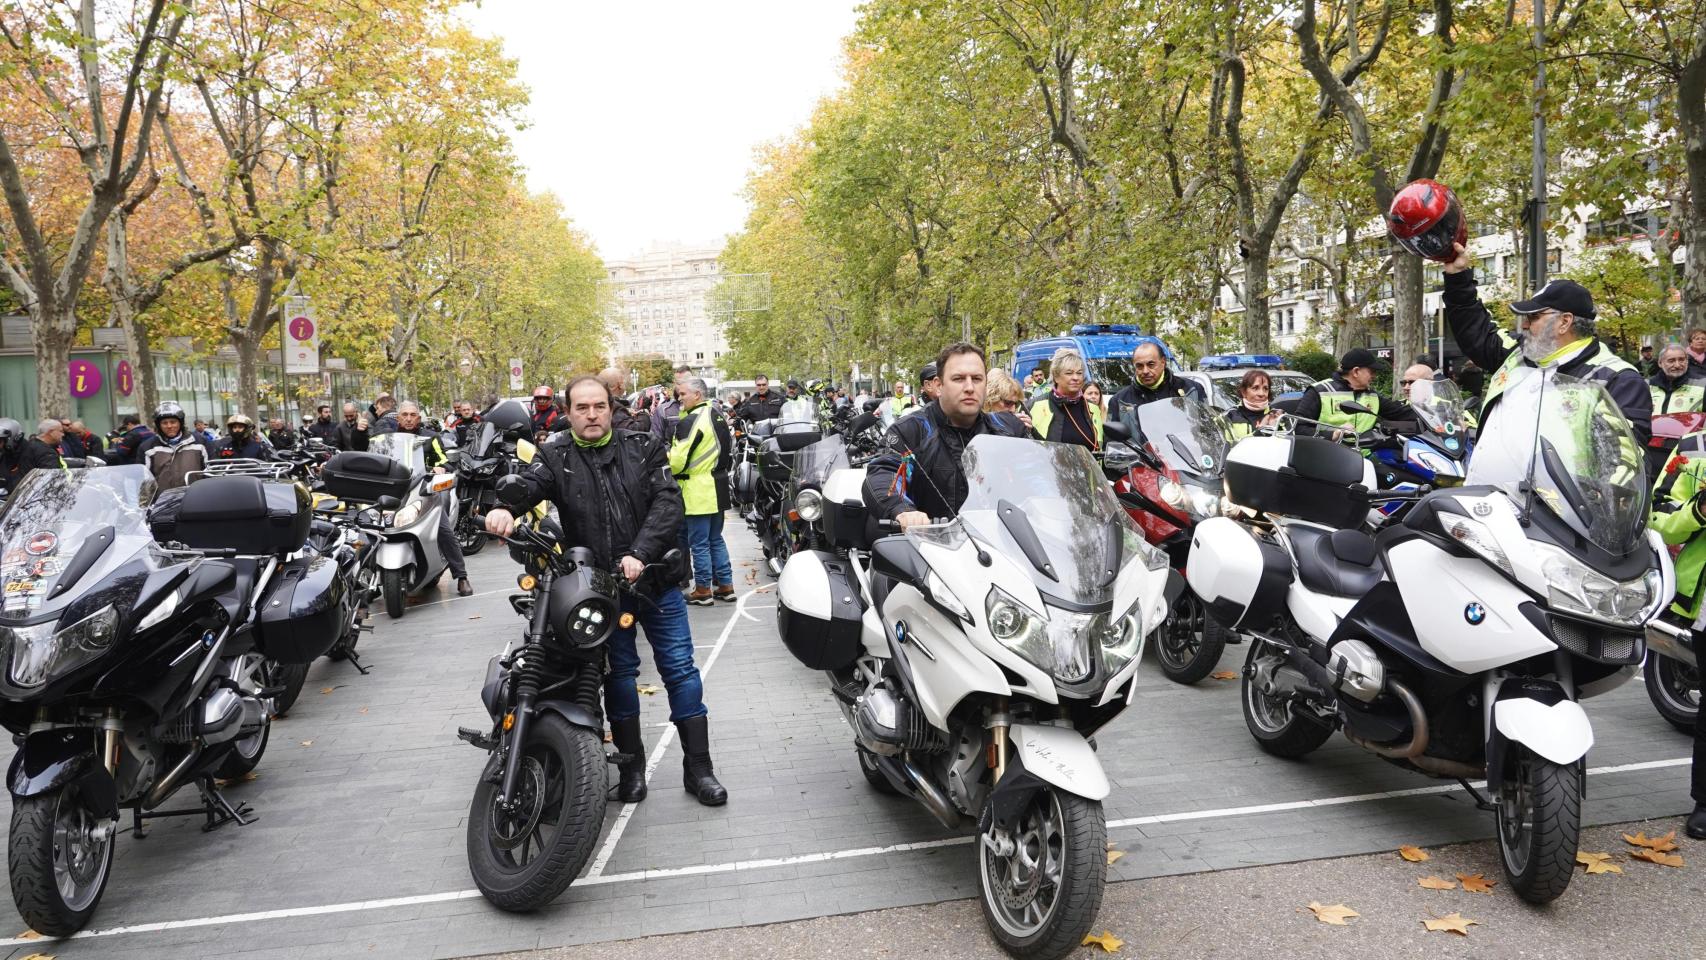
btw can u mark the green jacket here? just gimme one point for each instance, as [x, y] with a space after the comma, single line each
[1685, 394]
[693, 459]
[1679, 522]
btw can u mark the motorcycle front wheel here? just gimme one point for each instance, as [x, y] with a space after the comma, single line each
[525, 857]
[1042, 882]
[391, 584]
[58, 860]
[470, 534]
[1674, 688]
[1191, 642]
[1539, 817]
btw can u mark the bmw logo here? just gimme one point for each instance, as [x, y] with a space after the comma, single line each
[1474, 613]
[1451, 443]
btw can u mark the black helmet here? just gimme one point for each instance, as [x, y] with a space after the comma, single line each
[169, 410]
[11, 435]
[1427, 220]
[509, 415]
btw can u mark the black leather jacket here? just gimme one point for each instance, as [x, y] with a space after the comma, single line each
[616, 500]
[919, 468]
[765, 406]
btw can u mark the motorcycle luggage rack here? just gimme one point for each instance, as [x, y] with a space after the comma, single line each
[267, 470]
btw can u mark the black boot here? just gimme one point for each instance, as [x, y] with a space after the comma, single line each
[696, 773]
[1696, 826]
[631, 782]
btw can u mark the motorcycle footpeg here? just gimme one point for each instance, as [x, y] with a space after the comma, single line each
[475, 737]
[618, 758]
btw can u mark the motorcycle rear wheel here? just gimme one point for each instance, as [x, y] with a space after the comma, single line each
[57, 866]
[1273, 723]
[291, 676]
[1539, 818]
[391, 583]
[1041, 899]
[1674, 688]
[523, 859]
[1191, 642]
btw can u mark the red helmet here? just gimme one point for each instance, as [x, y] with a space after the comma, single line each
[1426, 220]
[545, 393]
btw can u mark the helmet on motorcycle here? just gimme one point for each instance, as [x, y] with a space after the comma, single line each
[11, 435]
[1427, 220]
[509, 416]
[168, 410]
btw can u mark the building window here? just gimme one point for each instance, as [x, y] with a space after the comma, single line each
[1628, 226]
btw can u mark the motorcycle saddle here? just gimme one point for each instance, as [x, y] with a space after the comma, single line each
[1337, 562]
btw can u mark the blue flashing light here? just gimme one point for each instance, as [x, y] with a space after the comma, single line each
[1234, 361]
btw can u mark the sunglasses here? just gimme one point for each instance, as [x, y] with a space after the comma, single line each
[1405, 383]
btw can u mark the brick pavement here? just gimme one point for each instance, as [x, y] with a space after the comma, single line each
[374, 806]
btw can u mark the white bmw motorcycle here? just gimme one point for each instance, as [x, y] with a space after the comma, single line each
[1458, 641]
[974, 659]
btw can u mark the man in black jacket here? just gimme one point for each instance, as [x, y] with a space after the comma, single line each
[1154, 382]
[323, 429]
[280, 435]
[918, 475]
[762, 405]
[41, 452]
[240, 441]
[126, 440]
[622, 416]
[616, 497]
[352, 433]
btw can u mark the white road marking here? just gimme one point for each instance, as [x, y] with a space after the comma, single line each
[746, 865]
[605, 852]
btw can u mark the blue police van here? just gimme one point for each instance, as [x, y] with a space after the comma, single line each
[1105, 347]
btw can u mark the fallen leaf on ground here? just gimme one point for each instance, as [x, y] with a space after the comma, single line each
[1115, 855]
[28, 935]
[1456, 923]
[1436, 883]
[39, 956]
[751, 577]
[1664, 844]
[1225, 675]
[362, 710]
[1335, 914]
[308, 743]
[477, 616]
[1413, 854]
[326, 690]
[1107, 941]
[648, 689]
[1598, 863]
[1653, 856]
[1475, 883]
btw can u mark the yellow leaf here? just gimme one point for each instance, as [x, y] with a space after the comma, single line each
[1413, 854]
[1107, 941]
[308, 743]
[1664, 844]
[1456, 923]
[1475, 883]
[1336, 914]
[1436, 883]
[326, 690]
[39, 956]
[362, 710]
[1225, 675]
[648, 689]
[1115, 855]
[28, 935]
[1654, 856]
[1598, 863]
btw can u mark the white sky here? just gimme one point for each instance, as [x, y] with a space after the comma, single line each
[645, 113]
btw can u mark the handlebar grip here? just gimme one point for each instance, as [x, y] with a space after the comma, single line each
[892, 526]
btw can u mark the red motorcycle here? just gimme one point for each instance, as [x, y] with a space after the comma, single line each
[1168, 471]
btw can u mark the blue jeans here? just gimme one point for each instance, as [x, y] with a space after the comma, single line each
[665, 621]
[710, 553]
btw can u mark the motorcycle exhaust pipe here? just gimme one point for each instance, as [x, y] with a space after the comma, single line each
[1411, 751]
[931, 796]
[775, 565]
[1674, 642]
[168, 784]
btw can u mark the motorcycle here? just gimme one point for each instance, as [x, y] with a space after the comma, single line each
[1459, 642]
[1169, 477]
[761, 480]
[539, 803]
[801, 527]
[392, 475]
[975, 657]
[1672, 671]
[1436, 455]
[137, 630]
[481, 461]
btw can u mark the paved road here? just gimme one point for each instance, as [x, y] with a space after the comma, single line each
[363, 795]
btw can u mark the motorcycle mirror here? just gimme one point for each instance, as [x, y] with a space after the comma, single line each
[672, 556]
[1116, 430]
[388, 503]
[1352, 407]
[1119, 456]
[511, 491]
[370, 517]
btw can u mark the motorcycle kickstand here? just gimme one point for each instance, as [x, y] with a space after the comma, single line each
[136, 832]
[219, 810]
[1481, 802]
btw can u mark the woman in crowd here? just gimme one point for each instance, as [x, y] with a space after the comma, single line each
[1253, 412]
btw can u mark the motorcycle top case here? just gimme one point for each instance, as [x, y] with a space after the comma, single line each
[819, 612]
[247, 514]
[353, 475]
[1309, 478]
[302, 613]
[1240, 578]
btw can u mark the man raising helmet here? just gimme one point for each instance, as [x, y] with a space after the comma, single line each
[172, 452]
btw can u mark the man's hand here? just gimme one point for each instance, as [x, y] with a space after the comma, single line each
[438, 469]
[1024, 418]
[361, 423]
[1461, 263]
[912, 518]
[499, 521]
[632, 567]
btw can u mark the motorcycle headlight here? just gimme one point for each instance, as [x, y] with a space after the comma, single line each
[1574, 587]
[1475, 535]
[940, 593]
[408, 515]
[39, 652]
[1204, 503]
[1173, 495]
[809, 505]
[167, 606]
[1019, 628]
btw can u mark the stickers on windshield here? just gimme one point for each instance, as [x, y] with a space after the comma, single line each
[41, 542]
[44, 567]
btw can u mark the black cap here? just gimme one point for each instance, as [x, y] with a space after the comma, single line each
[1564, 296]
[1359, 357]
[793, 384]
[928, 373]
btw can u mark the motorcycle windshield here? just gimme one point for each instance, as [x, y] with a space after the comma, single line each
[54, 515]
[1047, 506]
[814, 464]
[405, 448]
[1188, 436]
[1439, 404]
[799, 410]
[483, 440]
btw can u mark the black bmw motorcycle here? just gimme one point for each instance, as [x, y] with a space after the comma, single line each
[135, 649]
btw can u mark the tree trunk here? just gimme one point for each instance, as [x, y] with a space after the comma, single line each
[53, 328]
[1409, 325]
[1691, 119]
[248, 374]
[1256, 298]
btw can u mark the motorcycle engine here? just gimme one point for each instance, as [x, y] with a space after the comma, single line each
[1356, 669]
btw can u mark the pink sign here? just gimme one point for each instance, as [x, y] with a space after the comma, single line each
[124, 378]
[301, 328]
[85, 379]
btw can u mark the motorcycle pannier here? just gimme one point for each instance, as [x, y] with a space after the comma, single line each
[1242, 579]
[303, 611]
[352, 475]
[247, 514]
[1309, 478]
[818, 613]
